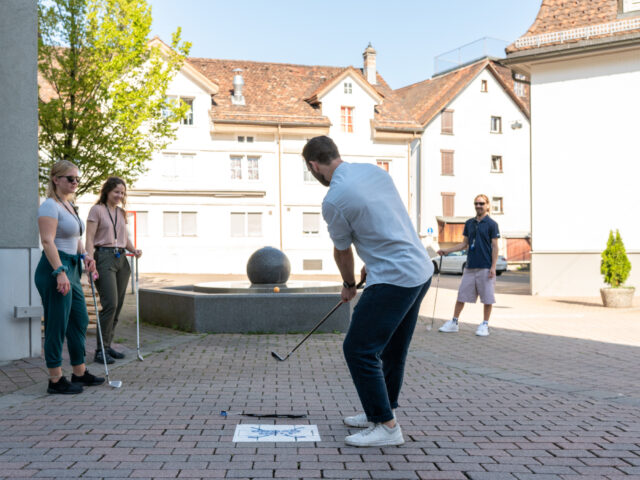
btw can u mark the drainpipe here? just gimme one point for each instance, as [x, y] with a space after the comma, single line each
[418, 150]
[409, 178]
[280, 184]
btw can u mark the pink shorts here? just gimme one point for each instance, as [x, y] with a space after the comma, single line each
[476, 281]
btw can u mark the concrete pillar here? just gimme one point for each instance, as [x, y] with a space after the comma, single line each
[19, 247]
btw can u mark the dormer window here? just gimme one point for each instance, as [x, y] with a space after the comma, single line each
[630, 6]
[348, 88]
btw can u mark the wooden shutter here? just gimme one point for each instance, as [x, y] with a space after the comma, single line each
[448, 204]
[447, 121]
[447, 162]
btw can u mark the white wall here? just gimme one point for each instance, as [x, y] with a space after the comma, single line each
[473, 145]
[586, 164]
[202, 163]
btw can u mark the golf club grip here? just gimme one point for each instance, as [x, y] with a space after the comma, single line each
[316, 327]
[360, 285]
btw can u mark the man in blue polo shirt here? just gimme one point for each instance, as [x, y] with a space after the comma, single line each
[364, 208]
[480, 239]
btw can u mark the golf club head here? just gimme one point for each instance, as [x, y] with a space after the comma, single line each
[277, 357]
[115, 383]
[140, 357]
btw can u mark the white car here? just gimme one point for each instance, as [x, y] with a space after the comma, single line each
[456, 261]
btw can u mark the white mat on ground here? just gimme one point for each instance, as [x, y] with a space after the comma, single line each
[276, 433]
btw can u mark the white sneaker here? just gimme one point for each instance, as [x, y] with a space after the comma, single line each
[378, 435]
[449, 327]
[360, 420]
[483, 330]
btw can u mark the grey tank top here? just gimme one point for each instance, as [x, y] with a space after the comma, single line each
[68, 231]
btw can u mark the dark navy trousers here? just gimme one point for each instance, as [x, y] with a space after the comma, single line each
[377, 343]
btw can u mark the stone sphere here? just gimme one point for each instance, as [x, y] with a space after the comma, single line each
[268, 265]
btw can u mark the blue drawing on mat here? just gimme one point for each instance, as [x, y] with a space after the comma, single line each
[265, 432]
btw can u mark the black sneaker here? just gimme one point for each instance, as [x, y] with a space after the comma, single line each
[115, 354]
[88, 380]
[64, 387]
[98, 357]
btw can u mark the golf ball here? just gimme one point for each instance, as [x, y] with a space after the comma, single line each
[276, 289]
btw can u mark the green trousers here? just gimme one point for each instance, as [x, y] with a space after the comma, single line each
[65, 316]
[114, 273]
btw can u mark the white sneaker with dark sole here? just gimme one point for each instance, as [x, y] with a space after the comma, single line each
[360, 420]
[483, 330]
[449, 327]
[378, 435]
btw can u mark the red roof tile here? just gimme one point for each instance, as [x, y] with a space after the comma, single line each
[567, 15]
[426, 99]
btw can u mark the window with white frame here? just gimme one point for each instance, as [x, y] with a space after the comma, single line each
[243, 139]
[496, 163]
[180, 224]
[519, 81]
[310, 223]
[346, 119]
[630, 6]
[188, 118]
[142, 224]
[244, 166]
[446, 122]
[496, 124]
[177, 165]
[497, 206]
[484, 86]
[246, 224]
[348, 88]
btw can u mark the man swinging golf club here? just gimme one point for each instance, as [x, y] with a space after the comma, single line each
[363, 207]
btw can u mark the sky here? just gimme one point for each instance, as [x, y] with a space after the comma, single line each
[407, 34]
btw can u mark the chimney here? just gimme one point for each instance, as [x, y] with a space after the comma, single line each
[238, 82]
[369, 56]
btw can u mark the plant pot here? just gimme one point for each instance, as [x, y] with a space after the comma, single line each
[621, 297]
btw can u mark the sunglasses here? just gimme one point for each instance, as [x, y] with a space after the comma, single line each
[479, 203]
[70, 178]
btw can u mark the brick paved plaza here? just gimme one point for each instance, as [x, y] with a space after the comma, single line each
[553, 393]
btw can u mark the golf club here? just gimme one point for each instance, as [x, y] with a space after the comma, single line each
[138, 313]
[433, 316]
[282, 359]
[112, 383]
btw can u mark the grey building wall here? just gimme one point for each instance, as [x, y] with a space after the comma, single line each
[19, 252]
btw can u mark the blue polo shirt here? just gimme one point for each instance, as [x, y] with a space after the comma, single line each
[364, 208]
[479, 236]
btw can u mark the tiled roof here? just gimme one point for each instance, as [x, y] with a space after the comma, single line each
[576, 20]
[278, 93]
[426, 99]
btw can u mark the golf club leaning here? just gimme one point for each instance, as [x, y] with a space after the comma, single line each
[282, 359]
[433, 316]
[112, 383]
[138, 313]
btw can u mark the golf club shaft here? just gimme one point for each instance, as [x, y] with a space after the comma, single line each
[435, 300]
[95, 304]
[137, 309]
[315, 328]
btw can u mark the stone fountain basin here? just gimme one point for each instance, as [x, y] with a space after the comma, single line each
[238, 307]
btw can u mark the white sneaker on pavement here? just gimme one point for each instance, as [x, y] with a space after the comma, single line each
[483, 330]
[360, 420]
[449, 327]
[378, 435]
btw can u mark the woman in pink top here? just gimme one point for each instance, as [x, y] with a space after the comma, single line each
[108, 239]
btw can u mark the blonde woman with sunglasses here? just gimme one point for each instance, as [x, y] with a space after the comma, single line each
[57, 279]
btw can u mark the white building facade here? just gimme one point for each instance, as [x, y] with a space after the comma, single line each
[475, 141]
[585, 148]
[234, 180]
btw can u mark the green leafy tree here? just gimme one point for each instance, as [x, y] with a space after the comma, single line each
[615, 265]
[101, 96]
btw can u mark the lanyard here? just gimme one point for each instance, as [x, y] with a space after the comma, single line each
[115, 224]
[72, 212]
